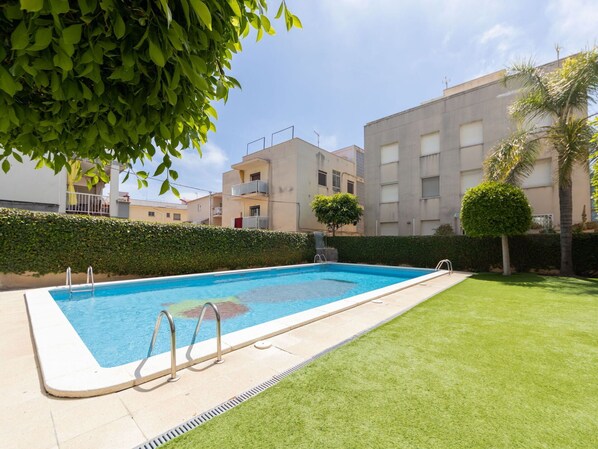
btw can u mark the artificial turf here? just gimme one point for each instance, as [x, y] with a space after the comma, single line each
[493, 362]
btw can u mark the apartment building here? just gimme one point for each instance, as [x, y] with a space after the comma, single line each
[273, 188]
[157, 211]
[356, 155]
[420, 162]
[206, 210]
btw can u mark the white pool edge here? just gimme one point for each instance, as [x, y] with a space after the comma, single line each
[70, 370]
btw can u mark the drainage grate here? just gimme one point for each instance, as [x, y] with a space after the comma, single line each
[225, 406]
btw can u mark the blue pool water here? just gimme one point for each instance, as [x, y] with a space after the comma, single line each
[117, 323]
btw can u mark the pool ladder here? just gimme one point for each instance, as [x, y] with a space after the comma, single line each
[173, 375]
[321, 258]
[89, 281]
[448, 263]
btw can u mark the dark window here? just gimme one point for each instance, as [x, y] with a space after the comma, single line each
[322, 178]
[254, 211]
[350, 187]
[167, 214]
[151, 214]
[336, 181]
[176, 217]
[255, 176]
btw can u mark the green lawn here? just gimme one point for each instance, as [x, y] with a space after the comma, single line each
[491, 363]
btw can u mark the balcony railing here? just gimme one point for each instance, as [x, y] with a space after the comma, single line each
[256, 222]
[249, 188]
[87, 204]
[217, 211]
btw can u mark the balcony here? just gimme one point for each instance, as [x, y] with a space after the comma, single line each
[256, 222]
[217, 211]
[249, 189]
[87, 204]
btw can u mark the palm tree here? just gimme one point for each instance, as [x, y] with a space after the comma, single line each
[563, 95]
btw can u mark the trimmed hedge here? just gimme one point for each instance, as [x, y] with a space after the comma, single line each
[49, 243]
[528, 252]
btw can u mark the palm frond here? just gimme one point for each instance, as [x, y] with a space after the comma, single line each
[572, 140]
[512, 159]
[535, 100]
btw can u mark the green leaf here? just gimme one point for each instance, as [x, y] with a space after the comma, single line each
[5, 166]
[260, 34]
[20, 37]
[160, 169]
[203, 13]
[297, 23]
[62, 60]
[119, 27]
[280, 10]
[17, 157]
[167, 11]
[175, 191]
[165, 187]
[32, 5]
[111, 118]
[87, 6]
[43, 37]
[7, 82]
[156, 54]
[59, 6]
[235, 7]
[72, 34]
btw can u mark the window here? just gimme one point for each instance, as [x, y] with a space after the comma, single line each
[430, 187]
[389, 153]
[430, 144]
[322, 178]
[151, 213]
[428, 227]
[470, 179]
[351, 187]
[336, 181]
[176, 217]
[541, 176]
[254, 211]
[167, 214]
[255, 176]
[471, 134]
[389, 193]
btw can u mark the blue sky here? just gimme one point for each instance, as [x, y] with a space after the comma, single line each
[355, 61]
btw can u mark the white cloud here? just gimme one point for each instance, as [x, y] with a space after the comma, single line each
[501, 32]
[573, 23]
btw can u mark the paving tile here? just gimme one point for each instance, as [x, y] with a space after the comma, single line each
[122, 433]
[164, 415]
[27, 425]
[149, 393]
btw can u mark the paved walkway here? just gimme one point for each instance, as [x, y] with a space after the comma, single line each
[30, 419]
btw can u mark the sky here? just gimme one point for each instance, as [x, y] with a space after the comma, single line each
[356, 61]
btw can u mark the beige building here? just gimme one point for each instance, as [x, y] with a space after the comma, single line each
[206, 210]
[157, 211]
[420, 162]
[273, 188]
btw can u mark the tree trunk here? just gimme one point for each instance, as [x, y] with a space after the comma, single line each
[566, 209]
[506, 259]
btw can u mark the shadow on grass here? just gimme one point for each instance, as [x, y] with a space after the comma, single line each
[564, 285]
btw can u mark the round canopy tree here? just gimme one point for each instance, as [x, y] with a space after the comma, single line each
[493, 209]
[336, 210]
[117, 81]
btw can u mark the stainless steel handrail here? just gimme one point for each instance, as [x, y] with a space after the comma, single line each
[173, 376]
[449, 265]
[320, 257]
[90, 278]
[218, 329]
[69, 279]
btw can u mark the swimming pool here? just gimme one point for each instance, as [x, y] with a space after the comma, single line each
[117, 322]
[93, 344]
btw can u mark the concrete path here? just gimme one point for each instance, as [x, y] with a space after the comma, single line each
[30, 419]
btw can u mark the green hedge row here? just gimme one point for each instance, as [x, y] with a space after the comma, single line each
[49, 243]
[528, 252]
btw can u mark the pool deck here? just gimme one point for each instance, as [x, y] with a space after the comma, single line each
[30, 418]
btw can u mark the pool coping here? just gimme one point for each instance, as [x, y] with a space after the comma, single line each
[69, 369]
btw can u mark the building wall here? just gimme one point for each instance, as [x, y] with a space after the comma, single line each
[27, 188]
[291, 171]
[163, 212]
[395, 200]
[198, 210]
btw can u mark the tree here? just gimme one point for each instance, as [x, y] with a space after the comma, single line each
[494, 209]
[336, 210]
[563, 96]
[118, 81]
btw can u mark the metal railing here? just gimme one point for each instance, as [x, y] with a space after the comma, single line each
[218, 329]
[173, 376]
[87, 204]
[248, 188]
[448, 263]
[321, 258]
[89, 281]
[217, 211]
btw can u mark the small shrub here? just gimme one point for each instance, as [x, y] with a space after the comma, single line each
[444, 229]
